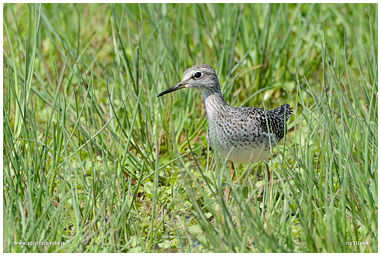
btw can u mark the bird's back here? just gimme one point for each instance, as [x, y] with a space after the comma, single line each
[276, 121]
[249, 130]
[267, 121]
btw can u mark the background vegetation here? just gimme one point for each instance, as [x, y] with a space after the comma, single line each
[94, 161]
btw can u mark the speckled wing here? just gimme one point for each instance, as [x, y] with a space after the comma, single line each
[271, 121]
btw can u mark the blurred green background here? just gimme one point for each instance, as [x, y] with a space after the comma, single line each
[94, 161]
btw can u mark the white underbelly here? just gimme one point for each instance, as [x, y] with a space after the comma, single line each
[249, 150]
[247, 155]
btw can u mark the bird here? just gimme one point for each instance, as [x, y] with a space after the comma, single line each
[243, 135]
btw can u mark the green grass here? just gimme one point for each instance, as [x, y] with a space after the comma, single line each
[94, 161]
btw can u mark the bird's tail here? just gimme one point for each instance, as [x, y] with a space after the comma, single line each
[283, 110]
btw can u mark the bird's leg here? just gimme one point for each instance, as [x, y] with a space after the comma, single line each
[232, 176]
[268, 174]
[232, 170]
[267, 192]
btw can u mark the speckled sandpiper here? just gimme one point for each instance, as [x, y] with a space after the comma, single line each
[243, 134]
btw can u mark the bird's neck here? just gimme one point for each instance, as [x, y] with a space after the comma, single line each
[214, 102]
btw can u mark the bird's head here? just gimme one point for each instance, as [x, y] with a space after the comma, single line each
[202, 77]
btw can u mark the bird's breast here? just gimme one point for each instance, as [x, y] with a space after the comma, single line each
[238, 144]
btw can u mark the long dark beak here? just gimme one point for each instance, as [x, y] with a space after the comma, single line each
[172, 89]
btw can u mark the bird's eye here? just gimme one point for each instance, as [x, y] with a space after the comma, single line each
[197, 75]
